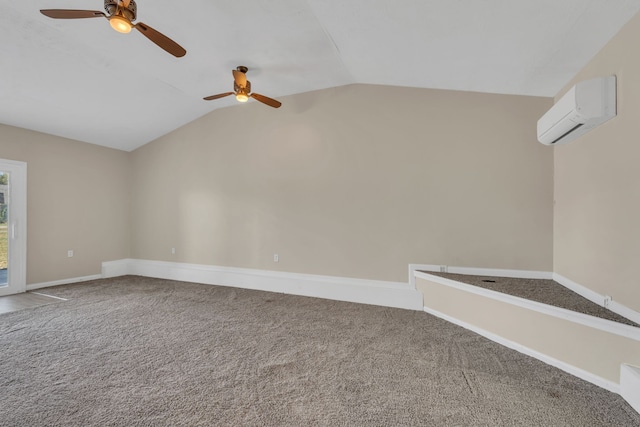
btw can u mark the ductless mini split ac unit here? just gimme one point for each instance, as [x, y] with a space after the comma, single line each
[585, 106]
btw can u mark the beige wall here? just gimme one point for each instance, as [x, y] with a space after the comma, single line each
[597, 185]
[77, 198]
[355, 181]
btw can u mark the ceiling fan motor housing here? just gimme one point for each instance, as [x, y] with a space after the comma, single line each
[111, 6]
[247, 88]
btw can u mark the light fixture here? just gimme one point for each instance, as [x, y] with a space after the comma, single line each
[120, 24]
[241, 96]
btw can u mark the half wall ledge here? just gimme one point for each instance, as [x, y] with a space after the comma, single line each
[588, 347]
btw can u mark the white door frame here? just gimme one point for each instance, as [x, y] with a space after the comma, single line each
[16, 227]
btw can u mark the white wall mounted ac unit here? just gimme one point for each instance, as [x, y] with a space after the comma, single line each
[585, 106]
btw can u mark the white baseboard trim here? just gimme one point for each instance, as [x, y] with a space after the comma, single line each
[604, 325]
[116, 268]
[597, 298]
[630, 385]
[41, 285]
[497, 272]
[580, 373]
[388, 294]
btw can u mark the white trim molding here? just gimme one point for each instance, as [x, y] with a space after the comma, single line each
[573, 370]
[597, 298]
[630, 385]
[41, 285]
[496, 272]
[375, 292]
[116, 268]
[604, 325]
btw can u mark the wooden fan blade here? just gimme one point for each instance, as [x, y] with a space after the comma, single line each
[72, 14]
[125, 3]
[220, 95]
[266, 100]
[240, 78]
[161, 40]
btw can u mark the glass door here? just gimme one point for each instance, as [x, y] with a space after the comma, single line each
[13, 227]
[4, 220]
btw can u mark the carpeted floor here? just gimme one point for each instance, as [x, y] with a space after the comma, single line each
[135, 351]
[544, 291]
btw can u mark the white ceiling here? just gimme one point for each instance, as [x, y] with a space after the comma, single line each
[68, 77]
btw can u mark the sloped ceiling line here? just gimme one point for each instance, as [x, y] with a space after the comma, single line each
[55, 75]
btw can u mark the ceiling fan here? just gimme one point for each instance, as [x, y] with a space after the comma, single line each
[121, 14]
[242, 89]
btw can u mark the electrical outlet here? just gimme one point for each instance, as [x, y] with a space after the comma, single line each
[607, 301]
[70, 253]
[173, 251]
[443, 269]
[276, 258]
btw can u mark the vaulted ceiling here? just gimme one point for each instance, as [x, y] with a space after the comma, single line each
[82, 80]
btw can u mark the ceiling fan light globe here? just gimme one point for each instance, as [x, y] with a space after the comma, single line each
[242, 97]
[120, 24]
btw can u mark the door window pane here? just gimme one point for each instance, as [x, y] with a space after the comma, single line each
[4, 220]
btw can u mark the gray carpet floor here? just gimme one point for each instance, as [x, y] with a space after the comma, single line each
[134, 351]
[544, 291]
